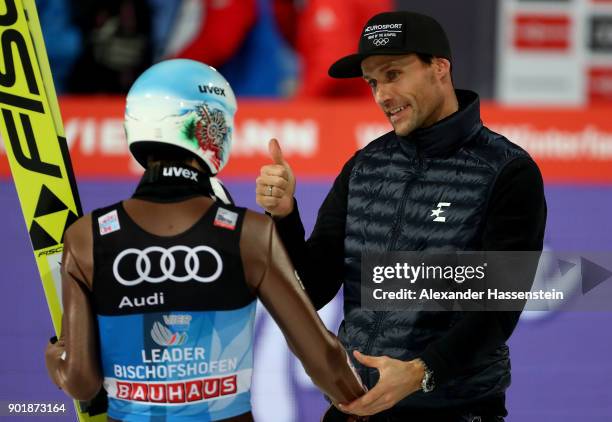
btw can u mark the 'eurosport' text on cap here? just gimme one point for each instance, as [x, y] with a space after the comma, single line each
[394, 33]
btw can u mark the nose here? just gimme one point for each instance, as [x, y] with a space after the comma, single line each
[382, 95]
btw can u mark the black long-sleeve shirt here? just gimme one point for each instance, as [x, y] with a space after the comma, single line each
[514, 221]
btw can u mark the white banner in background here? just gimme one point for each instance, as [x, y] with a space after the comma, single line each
[541, 53]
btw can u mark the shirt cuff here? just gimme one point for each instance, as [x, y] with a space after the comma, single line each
[290, 225]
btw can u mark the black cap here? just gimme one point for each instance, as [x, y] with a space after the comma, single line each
[393, 33]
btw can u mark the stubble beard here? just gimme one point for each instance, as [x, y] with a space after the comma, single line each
[420, 112]
[409, 123]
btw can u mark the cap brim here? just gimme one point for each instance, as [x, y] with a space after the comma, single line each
[347, 67]
[350, 66]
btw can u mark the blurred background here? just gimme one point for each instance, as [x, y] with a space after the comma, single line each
[543, 69]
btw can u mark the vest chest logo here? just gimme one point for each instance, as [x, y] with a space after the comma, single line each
[437, 211]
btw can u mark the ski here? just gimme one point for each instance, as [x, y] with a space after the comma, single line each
[36, 148]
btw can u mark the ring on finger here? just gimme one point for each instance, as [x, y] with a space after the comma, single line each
[270, 187]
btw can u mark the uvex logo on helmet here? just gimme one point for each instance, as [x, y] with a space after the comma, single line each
[209, 89]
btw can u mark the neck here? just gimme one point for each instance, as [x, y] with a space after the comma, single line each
[449, 105]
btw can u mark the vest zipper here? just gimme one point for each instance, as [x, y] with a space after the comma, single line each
[379, 317]
[399, 218]
[398, 221]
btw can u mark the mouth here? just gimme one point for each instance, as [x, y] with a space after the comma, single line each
[394, 114]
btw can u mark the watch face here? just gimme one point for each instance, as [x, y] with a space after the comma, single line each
[428, 382]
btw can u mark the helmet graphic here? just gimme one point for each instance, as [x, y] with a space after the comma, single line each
[181, 103]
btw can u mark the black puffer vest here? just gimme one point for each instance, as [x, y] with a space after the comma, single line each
[394, 186]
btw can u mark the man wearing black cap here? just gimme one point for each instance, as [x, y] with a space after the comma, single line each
[439, 181]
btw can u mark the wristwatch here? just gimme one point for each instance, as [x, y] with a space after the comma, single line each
[428, 383]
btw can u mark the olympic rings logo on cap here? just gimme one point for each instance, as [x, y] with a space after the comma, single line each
[379, 42]
[167, 264]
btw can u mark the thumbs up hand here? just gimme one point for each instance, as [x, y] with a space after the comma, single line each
[275, 185]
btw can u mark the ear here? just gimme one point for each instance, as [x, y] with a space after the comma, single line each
[442, 68]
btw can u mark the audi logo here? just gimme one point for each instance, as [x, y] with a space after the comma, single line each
[167, 265]
[380, 42]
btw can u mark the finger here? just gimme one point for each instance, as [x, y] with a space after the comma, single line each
[279, 182]
[372, 395]
[374, 409]
[268, 202]
[364, 403]
[383, 404]
[371, 361]
[53, 350]
[378, 406]
[276, 153]
[274, 170]
[269, 190]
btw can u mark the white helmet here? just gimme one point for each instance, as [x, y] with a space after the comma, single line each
[181, 103]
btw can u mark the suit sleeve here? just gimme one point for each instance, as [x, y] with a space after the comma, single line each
[320, 259]
[72, 362]
[279, 289]
[515, 221]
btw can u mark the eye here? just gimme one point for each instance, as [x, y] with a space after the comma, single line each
[392, 75]
[372, 83]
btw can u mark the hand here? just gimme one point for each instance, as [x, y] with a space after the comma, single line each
[275, 185]
[397, 380]
[54, 353]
